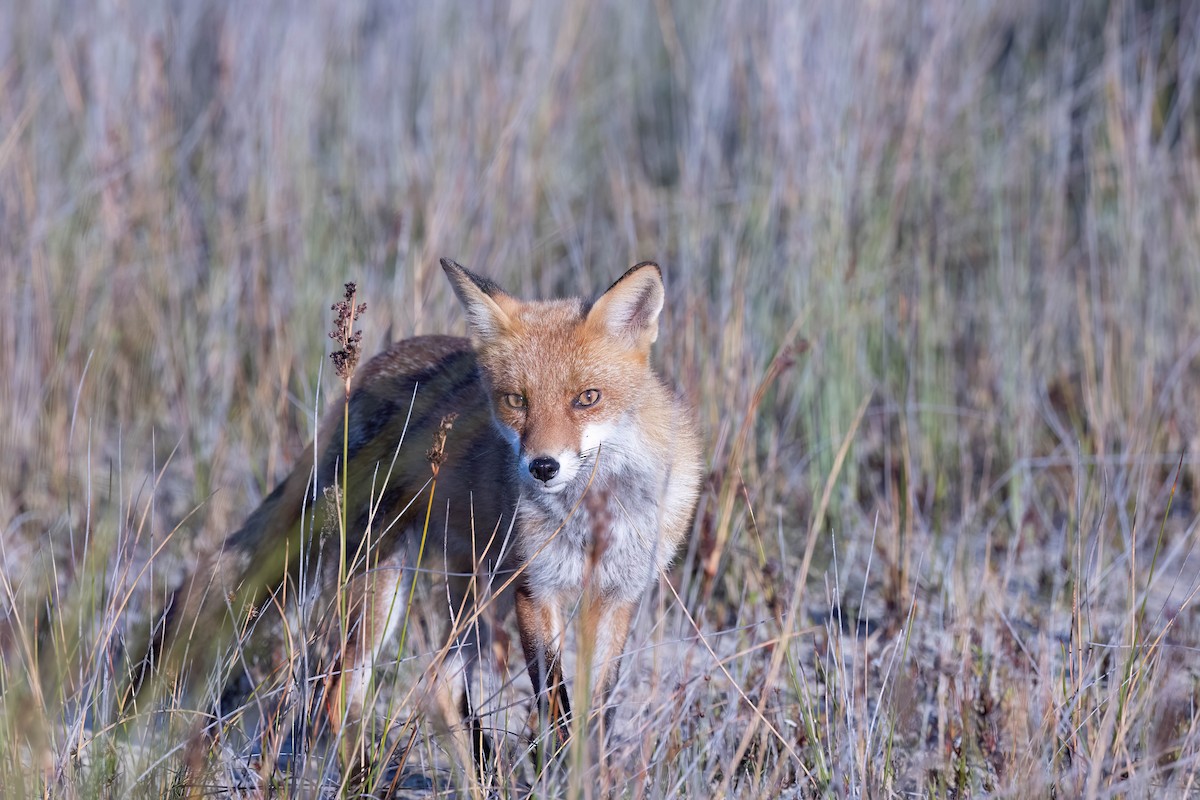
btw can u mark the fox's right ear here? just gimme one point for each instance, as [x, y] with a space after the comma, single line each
[490, 310]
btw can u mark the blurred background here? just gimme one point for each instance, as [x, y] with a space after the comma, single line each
[932, 272]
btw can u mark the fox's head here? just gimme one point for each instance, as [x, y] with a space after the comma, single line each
[564, 375]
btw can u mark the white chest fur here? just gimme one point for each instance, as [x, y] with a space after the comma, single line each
[606, 534]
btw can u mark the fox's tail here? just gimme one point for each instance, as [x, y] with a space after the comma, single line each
[226, 588]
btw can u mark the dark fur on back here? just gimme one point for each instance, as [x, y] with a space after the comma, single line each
[397, 402]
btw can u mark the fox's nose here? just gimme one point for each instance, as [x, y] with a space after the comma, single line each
[543, 468]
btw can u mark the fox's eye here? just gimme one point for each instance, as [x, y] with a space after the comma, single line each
[588, 397]
[514, 400]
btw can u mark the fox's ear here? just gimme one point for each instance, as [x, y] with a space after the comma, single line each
[489, 310]
[629, 309]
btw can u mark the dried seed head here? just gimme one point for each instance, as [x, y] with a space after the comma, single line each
[598, 503]
[437, 453]
[333, 504]
[346, 359]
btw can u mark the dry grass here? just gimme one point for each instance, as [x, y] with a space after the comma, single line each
[948, 552]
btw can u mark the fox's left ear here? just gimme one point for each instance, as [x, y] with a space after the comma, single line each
[629, 309]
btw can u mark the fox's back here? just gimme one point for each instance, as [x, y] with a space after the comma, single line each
[398, 402]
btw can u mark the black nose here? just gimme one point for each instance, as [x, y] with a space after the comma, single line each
[543, 468]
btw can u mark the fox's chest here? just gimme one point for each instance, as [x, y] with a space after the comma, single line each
[607, 540]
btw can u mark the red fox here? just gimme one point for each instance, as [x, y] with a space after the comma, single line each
[569, 477]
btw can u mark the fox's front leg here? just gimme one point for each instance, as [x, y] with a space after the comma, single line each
[540, 623]
[605, 628]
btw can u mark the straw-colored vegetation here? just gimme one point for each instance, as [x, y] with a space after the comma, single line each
[933, 274]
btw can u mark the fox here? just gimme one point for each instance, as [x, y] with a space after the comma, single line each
[565, 477]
